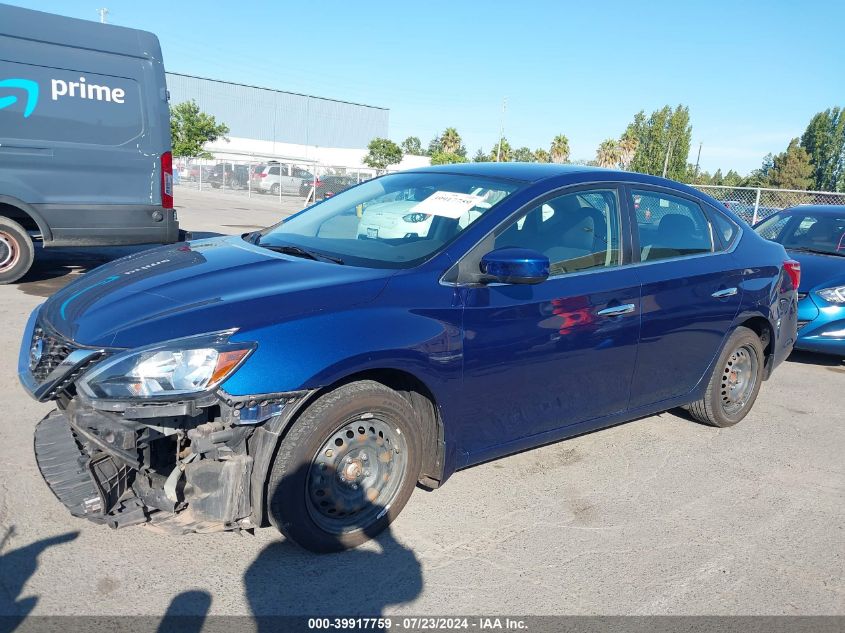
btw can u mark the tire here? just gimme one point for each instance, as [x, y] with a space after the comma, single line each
[734, 383]
[345, 433]
[16, 251]
[274, 189]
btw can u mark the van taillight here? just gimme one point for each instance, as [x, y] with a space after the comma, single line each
[793, 269]
[167, 180]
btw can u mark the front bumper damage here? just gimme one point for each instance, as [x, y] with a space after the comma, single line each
[180, 467]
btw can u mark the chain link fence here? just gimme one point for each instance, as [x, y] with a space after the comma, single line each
[273, 176]
[754, 204]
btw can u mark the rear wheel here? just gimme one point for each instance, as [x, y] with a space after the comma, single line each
[275, 189]
[735, 381]
[16, 251]
[346, 468]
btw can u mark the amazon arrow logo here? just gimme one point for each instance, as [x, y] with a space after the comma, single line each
[28, 86]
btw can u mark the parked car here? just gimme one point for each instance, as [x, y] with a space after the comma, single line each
[228, 175]
[815, 236]
[305, 378]
[85, 138]
[327, 186]
[276, 176]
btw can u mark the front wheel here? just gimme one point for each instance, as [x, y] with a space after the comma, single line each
[735, 381]
[346, 468]
[16, 251]
[274, 190]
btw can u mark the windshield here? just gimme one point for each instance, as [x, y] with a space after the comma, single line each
[814, 232]
[396, 221]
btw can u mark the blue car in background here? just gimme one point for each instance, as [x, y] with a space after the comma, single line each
[815, 236]
[308, 376]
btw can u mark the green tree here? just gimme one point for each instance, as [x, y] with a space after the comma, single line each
[541, 156]
[662, 139]
[447, 158]
[732, 179]
[559, 150]
[760, 177]
[501, 151]
[382, 153]
[628, 144]
[480, 157]
[608, 154]
[824, 140]
[191, 129]
[413, 146]
[792, 169]
[450, 141]
[523, 155]
[717, 178]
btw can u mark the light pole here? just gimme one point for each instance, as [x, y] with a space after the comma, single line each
[698, 158]
[501, 130]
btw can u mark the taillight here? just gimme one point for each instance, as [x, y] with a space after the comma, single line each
[167, 180]
[793, 269]
[260, 175]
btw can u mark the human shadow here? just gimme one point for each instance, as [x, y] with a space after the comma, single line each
[812, 358]
[186, 613]
[16, 568]
[286, 580]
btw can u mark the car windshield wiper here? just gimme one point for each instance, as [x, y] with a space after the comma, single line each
[298, 251]
[816, 251]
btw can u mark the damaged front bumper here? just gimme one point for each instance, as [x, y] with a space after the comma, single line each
[204, 472]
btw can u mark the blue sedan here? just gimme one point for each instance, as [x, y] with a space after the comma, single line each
[308, 376]
[815, 236]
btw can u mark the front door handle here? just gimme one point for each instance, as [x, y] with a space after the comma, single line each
[723, 294]
[625, 308]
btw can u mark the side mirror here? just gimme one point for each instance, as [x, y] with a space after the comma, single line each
[515, 266]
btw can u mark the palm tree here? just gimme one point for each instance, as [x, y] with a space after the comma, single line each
[501, 151]
[560, 149]
[541, 156]
[627, 148]
[608, 154]
[450, 141]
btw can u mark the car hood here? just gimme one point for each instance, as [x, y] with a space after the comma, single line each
[198, 287]
[818, 270]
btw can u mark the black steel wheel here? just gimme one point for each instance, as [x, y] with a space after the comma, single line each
[734, 383]
[346, 467]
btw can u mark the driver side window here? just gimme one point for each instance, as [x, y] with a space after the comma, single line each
[576, 231]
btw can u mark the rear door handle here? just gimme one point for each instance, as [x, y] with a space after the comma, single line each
[625, 308]
[722, 294]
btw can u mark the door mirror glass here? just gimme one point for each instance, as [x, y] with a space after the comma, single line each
[515, 266]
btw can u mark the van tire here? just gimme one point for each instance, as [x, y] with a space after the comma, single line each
[274, 190]
[16, 251]
[376, 418]
[719, 406]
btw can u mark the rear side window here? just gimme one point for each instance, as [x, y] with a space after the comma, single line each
[274, 171]
[669, 226]
[49, 104]
[725, 229]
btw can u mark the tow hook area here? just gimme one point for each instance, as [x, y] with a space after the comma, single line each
[123, 472]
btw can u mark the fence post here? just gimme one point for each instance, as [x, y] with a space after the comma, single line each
[199, 164]
[756, 207]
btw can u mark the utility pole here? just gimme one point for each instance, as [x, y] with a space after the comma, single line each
[103, 13]
[501, 130]
[695, 177]
[666, 161]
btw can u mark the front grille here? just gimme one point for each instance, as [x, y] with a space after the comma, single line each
[54, 350]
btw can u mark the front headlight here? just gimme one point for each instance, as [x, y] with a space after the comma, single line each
[833, 295]
[172, 368]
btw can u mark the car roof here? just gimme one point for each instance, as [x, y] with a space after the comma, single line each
[820, 209]
[527, 172]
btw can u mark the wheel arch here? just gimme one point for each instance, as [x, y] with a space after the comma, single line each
[25, 215]
[412, 387]
[763, 328]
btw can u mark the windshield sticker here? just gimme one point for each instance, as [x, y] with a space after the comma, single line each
[448, 204]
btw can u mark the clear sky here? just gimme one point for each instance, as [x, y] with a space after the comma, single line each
[753, 72]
